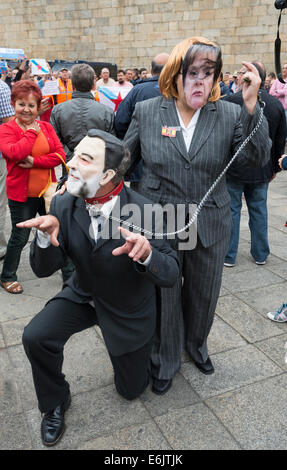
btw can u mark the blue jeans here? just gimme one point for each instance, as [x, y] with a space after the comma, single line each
[256, 200]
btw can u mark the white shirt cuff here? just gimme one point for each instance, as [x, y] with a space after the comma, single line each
[43, 239]
[147, 261]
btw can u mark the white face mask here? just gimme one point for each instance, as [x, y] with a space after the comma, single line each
[86, 175]
[79, 187]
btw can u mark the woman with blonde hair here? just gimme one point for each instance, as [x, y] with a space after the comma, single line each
[185, 138]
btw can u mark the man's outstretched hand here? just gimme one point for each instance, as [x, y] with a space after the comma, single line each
[46, 223]
[136, 246]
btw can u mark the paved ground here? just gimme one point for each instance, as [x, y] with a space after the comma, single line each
[242, 406]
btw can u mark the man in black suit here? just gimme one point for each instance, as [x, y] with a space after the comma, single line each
[119, 293]
[253, 182]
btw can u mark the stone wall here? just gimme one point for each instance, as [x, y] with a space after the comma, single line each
[131, 32]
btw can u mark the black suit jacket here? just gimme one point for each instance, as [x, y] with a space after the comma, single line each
[124, 292]
[275, 115]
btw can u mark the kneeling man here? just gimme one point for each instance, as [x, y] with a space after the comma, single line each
[114, 284]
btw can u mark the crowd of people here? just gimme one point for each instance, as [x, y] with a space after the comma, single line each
[170, 138]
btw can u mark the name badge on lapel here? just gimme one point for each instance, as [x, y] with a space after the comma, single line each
[169, 131]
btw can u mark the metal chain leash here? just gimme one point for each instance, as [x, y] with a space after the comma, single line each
[201, 204]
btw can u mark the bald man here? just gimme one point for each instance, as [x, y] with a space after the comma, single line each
[144, 90]
[105, 79]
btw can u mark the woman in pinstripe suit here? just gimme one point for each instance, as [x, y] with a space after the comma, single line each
[185, 139]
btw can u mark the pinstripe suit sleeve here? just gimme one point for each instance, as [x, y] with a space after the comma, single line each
[132, 139]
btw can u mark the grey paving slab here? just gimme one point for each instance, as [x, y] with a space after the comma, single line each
[251, 279]
[10, 403]
[233, 369]
[13, 330]
[245, 320]
[255, 415]
[92, 414]
[223, 336]
[45, 288]
[19, 305]
[266, 299]
[20, 369]
[276, 349]
[2, 344]
[145, 436]
[279, 270]
[195, 428]
[14, 433]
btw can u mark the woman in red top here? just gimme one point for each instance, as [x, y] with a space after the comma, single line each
[31, 149]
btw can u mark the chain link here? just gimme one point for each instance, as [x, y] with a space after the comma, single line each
[201, 204]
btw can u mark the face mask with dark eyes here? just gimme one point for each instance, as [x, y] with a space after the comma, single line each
[200, 69]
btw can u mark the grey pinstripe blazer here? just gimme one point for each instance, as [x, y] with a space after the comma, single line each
[173, 175]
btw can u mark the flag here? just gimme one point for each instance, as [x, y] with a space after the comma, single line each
[112, 96]
[6, 53]
[3, 66]
[39, 67]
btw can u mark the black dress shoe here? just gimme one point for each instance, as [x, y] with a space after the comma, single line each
[53, 424]
[161, 386]
[205, 367]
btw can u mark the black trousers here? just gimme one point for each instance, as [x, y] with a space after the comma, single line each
[19, 237]
[44, 339]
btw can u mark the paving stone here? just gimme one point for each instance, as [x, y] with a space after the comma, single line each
[45, 288]
[275, 349]
[13, 330]
[10, 403]
[17, 306]
[233, 369]
[251, 279]
[250, 324]
[266, 299]
[279, 270]
[145, 436]
[223, 336]
[14, 433]
[255, 415]
[2, 344]
[195, 428]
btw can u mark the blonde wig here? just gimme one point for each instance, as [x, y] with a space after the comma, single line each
[169, 74]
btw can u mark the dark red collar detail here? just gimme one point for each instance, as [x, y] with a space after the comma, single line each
[106, 197]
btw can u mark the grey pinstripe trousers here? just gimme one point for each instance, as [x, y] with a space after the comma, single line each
[187, 309]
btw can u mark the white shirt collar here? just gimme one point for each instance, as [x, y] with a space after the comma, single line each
[104, 210]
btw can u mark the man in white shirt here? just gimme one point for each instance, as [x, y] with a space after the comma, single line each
[114, 285]
[105, 79]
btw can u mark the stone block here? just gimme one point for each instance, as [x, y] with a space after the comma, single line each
[233, 369]
[195, 428]
[248, 416]
[145, 436]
